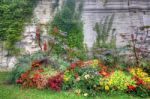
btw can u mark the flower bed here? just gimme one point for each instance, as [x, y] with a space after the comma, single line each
[87, 78]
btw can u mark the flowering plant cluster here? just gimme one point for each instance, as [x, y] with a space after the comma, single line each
[140, 74]
[55, 82]
[142, 80]
[33, 77]
[118, 80]
[87, 78]
[93, 63]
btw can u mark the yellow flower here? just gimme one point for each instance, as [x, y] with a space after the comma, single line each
[95, 61]
[106, 88]
[66, 78]
[101, 83]
[140, 73]
[110, 82]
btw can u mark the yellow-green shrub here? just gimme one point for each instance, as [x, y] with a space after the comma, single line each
[117, 81]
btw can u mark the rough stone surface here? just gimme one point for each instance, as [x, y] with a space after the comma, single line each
[128, 16]
[42, 15]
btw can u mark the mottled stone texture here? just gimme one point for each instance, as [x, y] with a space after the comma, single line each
[129, 14]
[43, 13]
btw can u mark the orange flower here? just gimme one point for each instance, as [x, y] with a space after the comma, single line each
[103, 73]
[36, 77]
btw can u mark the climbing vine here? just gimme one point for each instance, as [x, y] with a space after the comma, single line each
[68, 20]
[13, 15]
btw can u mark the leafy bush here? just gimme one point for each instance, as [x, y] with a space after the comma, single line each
[83, 77]
[142, 89]
[33, 76]
[23, 64]
[68, 80]
[140, 74]
[55, 82]
[59, 62]
[117, 81]
[88, 81]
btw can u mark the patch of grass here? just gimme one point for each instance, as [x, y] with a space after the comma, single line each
[3, 76]
[16, 92]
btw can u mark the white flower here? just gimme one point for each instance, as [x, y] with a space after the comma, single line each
[78, 79]
[85, 94]
[87, 76]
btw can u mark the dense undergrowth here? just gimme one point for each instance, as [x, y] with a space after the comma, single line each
[15, 92]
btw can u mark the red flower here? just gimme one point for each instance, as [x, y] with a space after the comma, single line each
[55, 82]
[131, 87]
[19, 81]
[24, 75]
[73, 65]
[36, 77]
[138, 80]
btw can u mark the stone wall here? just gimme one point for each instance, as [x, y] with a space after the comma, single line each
[128, 16]
[43, 14]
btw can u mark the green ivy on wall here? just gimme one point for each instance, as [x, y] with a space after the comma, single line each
[13, 15]
[68, 20]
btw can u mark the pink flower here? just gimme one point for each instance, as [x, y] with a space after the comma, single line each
[19, 81]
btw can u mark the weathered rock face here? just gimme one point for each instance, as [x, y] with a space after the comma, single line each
[129, 14]
[43, 13]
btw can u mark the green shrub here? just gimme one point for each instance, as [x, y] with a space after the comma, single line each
[140, 91]
[68, 20]
[84, 80]
[118, 80]
[59, 62]
[89, 81]
[23, 64]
